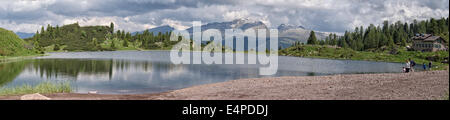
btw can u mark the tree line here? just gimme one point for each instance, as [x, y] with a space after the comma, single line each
[72, 36]
[373, 37]
[94, 38]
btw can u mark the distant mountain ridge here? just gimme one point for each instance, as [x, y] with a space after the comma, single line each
[242, 24]
[284, 27]
[288, 34]
[23, 35]
[156, 30]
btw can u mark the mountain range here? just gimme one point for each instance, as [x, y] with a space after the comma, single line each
[156, 30]
[23, 35]
[288, 34]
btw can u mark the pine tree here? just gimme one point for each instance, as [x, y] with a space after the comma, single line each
[42, 30]
[118, 34]
[312, 40]
[112, 27]
[334, 40]
[122, 35]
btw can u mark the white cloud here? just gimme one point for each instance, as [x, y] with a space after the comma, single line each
[174, 23]
[120, 23]
[232, 15]
[22, 27]
[136, 15]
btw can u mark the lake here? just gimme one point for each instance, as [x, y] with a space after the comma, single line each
[136, 72]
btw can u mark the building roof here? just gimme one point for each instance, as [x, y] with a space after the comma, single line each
[432, 38]
[426, 37]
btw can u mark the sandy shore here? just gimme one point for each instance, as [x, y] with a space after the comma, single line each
[432, 85]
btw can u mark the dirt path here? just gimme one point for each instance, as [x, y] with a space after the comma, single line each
[413, 86]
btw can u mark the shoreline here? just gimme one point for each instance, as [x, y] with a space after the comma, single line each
[5, 59]
[429, 85]
[246, 52]
[308, 57]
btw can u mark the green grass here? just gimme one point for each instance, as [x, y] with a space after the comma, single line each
[43, 88]
[401, 56]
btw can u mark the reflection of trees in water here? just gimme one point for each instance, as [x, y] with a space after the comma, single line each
[9, 71]
[75, 67]
[49, 68]
[70, 67]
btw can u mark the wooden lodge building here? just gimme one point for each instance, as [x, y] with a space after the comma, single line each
[428, 43]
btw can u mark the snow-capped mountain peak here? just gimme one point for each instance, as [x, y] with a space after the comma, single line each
[284, 27]
[242, 24]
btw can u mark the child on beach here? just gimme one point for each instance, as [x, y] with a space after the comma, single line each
[424, 66]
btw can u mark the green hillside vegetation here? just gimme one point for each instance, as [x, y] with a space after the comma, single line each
[12, 45]
[387, 43]
[154, 41]
[70, 37]
[387, 35]
[97, 38]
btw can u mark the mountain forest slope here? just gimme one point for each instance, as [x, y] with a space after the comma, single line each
[12, 45]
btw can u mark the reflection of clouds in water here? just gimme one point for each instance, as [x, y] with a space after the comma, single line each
[326, 66]
[176, 71]
[31, 73]
[92, 77]
[133, 72]
[154, 56]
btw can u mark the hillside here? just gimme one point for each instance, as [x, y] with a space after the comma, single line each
[72, 37]
[12, 45]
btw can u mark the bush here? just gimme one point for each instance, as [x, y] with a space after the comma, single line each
[56, 47]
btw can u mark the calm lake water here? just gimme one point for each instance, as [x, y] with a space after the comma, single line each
[134, 72]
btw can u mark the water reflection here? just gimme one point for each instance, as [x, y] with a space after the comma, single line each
[149, 72]
[9, 71]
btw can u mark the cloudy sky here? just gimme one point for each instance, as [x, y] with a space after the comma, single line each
[137, 15]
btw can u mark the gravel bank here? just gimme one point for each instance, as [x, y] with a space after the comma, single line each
[432, 85]
[412, 86]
